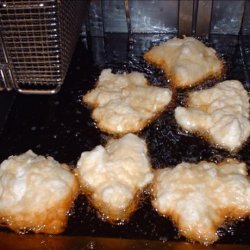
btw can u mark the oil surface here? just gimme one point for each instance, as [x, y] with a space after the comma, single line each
[60, 126]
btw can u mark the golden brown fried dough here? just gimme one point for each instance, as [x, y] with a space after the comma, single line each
[199, 198]
[187, 62]
[36, 193]
[114, 177]
[125, 102]
[220, 114]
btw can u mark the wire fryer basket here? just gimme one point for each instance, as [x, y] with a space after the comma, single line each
[37, 41]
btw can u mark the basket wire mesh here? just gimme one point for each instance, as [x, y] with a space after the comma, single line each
[38, 38]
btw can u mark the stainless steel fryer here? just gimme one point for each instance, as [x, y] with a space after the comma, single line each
[116, 35]
[37, 37]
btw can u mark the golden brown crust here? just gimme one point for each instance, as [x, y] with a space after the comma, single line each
[206, 136]
[109, 129]
[209, 235]
[205, 237]
[112, 215]
[52, 220]
[143, 124]
[191, 235]
[175, 82]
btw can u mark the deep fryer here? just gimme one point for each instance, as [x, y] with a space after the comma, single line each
[115, 36]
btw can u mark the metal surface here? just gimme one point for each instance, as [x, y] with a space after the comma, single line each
[128, 17]
[39, 35]
[170, 16]
[95, 20]
[6, 78]
[246, 20]
[185, 17]
[203, 20]
[154, 16]
[114, 18]
[39, 38]
[227, 16]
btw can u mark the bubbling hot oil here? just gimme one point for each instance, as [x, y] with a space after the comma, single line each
[168, 146]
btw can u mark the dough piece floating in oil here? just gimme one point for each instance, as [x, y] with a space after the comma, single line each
[114, 177]
[124, 103]
[187, 62]
[36, 193]
[199, 198]
[219, 114]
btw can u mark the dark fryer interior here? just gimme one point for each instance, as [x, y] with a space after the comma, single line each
[60, 126]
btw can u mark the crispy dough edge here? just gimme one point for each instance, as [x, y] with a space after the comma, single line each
[174, 81]
[106, 212]
[144, 123]
[204, 134]
[52, 220]
[225, 214]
